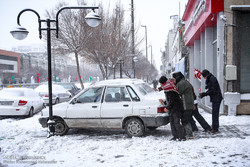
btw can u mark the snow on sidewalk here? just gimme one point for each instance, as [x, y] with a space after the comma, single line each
[23, 142]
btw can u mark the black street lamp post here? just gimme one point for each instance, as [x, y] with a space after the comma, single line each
[21, 33]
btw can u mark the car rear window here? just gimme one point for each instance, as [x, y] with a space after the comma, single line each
[144, 88]
[12, 92]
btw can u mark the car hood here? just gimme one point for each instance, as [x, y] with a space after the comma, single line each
[58, 109]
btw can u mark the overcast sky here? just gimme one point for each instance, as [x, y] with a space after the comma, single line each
[154, 14]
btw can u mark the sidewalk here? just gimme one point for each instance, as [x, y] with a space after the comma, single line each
[226, 131]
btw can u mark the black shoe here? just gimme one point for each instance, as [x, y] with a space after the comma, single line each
[173, 139]
[214, 131]
[207, 130]
[183, 139]
[190, 137]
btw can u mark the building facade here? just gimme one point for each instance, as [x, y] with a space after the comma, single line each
[9, 64]
[172, 54]
[216, 32]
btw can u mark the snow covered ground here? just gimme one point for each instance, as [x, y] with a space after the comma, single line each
[23, 142]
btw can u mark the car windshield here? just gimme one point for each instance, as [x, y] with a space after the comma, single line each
[66, 86]
[144, 88]
[11, 92]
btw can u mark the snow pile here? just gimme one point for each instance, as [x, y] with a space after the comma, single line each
[23, 142]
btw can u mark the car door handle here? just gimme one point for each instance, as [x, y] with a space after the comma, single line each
[125, 105]
[94, 106]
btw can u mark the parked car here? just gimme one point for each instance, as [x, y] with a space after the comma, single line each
[85, 84]
[59, 94]
[19, 102]
[71, 87]
[128, 104]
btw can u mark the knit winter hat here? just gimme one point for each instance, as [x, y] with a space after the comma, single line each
[169, 86]
[163, 79]
[178, 76]
[205, 73]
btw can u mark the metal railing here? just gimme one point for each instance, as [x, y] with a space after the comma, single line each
[20, 85]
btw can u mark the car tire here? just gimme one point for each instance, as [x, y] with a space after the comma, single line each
[61, 127]
[134, 127]
[31, 112]
[57, 101]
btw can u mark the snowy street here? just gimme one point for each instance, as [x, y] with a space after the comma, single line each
[23, 142]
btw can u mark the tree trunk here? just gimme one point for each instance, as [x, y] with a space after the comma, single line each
[78, 70]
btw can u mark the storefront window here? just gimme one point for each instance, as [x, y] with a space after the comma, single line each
[245, 54]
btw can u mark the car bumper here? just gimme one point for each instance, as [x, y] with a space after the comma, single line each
[13, 111]
[43, 121]
[155, 121]
[46, 101]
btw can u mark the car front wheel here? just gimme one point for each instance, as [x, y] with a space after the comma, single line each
[134, 127]
[31, 112]
[60, 127]
[57, 101]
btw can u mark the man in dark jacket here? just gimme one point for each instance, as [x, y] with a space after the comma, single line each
[213, 90]
[186, 92]
[174, 106]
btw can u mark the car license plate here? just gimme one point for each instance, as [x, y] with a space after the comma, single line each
[6, 103]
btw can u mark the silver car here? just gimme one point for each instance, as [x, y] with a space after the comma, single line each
[19, 102]
[59, 94]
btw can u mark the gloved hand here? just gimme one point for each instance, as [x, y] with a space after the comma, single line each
[203, 94]
[160, 89]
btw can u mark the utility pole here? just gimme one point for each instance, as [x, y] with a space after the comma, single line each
[133, 35]
[146, 34]
[151, 54]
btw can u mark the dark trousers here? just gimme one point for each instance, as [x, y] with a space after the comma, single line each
[215, 115]
[176, 127]
[186, 122]
[200, 119]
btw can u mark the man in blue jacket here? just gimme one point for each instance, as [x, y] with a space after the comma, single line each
[214, 91]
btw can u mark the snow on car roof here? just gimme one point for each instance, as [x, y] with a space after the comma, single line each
[20, 88]
[118, 82]
[14, 91]
[44, 88]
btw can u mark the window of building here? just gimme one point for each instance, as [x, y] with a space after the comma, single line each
[6, 67]
[245, 53]
[8, 58]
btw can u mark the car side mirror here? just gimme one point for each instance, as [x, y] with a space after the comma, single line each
[136, 99]
[74, 101]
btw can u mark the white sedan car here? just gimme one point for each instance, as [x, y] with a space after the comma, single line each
[128, 104]
[19, 102]
[59, 93]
